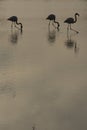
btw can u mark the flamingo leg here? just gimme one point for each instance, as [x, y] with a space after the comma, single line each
[67, 35]
[49, 23]
[12, 25]
[73, 29]
[76, 49]
[68, 27]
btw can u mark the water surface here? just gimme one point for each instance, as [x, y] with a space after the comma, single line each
[43, 72]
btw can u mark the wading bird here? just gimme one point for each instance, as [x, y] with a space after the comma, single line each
[70, 21]
[52, 17]
[14, 20]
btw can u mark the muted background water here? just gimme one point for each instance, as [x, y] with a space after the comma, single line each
[43, 74]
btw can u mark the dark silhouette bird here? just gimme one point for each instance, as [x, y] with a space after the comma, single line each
[70, 21]
[52, 17]
[14, 20]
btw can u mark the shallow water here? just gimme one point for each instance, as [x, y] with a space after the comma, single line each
[43, 72]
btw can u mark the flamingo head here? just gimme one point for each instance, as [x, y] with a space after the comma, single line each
[77, 14]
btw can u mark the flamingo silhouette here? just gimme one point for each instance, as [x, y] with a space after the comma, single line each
[14, 20]
[70, 21]
[52, 17]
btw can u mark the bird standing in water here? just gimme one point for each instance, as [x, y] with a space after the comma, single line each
[14, 20]
[52, 17]
[70, 21]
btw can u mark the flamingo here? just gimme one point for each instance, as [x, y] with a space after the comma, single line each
[52, 17]
[70, 21]
[14, 19]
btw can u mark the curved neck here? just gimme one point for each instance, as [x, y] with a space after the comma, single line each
[19, 24]
[75, 18]
[57, 23]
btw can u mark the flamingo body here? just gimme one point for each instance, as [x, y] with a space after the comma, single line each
[14, 19]
[52, 17]
[70, 21]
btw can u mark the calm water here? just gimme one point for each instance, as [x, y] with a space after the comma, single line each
[43, 73]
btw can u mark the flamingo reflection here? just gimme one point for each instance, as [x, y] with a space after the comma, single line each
[14, 36]
[71, 44]
[33, 127]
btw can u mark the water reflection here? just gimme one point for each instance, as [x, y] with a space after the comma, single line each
[71, 43]
[51, 35]
[33, 127]
[14, 36]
